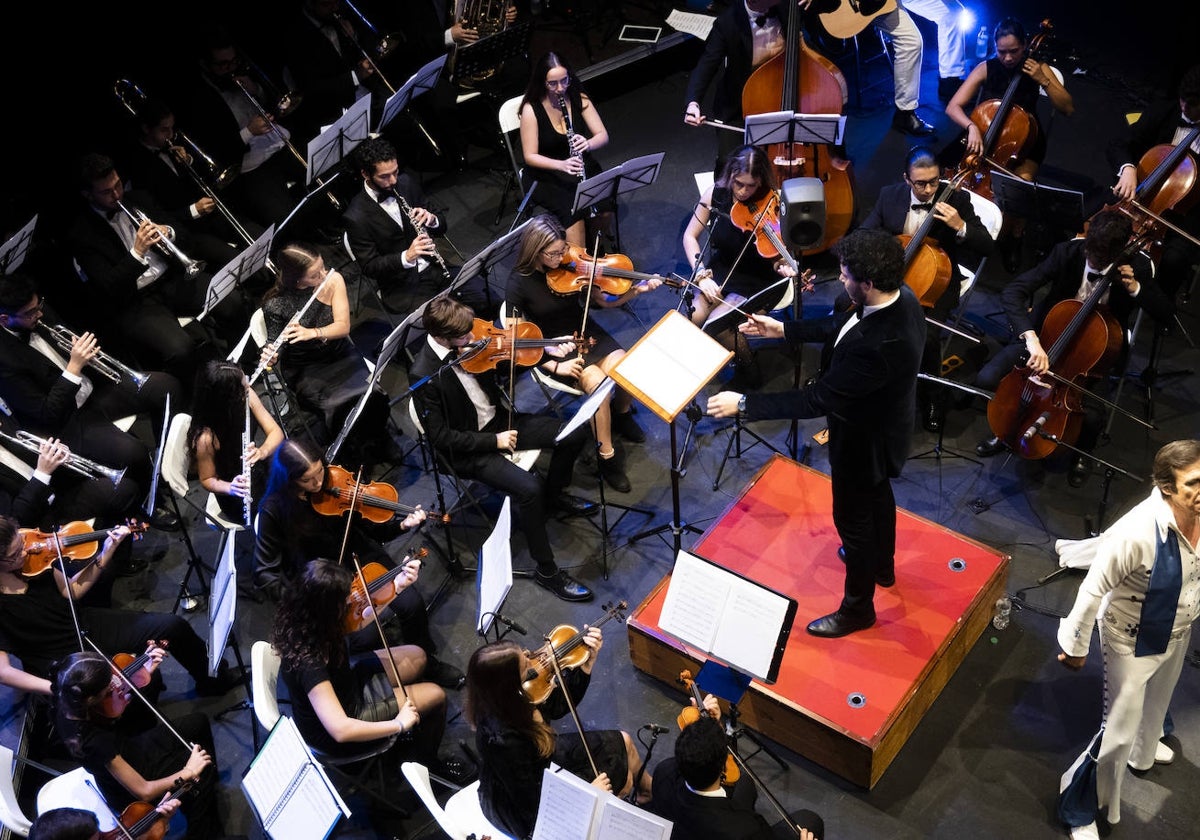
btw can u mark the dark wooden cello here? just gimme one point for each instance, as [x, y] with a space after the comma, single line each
[803, 81]
[927, 267]
[1166, 177]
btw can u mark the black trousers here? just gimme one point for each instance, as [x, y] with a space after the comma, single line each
[865, 518]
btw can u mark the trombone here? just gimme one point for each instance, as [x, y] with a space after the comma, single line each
[165, 244]
[102, 363]
[76, 463]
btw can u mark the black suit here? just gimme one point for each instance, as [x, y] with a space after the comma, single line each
[866, 390]
[451, 424]
[729, 46]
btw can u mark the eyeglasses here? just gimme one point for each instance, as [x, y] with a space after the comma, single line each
[556, 254]
[558, 83]
[932, 182]
[36, 309]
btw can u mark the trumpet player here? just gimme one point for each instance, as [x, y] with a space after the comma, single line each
[61, 394]
[138, 279]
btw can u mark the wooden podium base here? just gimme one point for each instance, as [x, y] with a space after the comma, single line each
[848, 704]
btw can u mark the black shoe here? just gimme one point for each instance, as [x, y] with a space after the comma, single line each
[1080, 469]
[624, 425]
[135, 566]
[443, 674]
[564, 586]
[224, 682]
[948, 86]
[572, 505]
[909, 123]
[613, 470]
[164, 519]
[988, 448]
[842, 553]
[453, 770]
[836, 624]
[931, 417]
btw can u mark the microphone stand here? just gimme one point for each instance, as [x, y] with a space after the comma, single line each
[655, 731]
[1110, 470]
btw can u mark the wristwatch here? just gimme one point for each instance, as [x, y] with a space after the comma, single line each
[742, 405]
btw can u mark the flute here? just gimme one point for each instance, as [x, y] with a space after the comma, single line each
[246, 441]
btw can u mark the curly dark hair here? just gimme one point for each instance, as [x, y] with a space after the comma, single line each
[64, 824]
[494, 699]
[218, 403]
[308, 629]
[1174, 456]
[16, 290]
[372, 152]
[872, 255]
[1108, 234]
[700, 752]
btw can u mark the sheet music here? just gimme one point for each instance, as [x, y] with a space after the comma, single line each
[495, 568]
[566, 809]
[289, 791]
[695, 599]
[748, 627]
[621, 821]
[691, 24]
[222, 603]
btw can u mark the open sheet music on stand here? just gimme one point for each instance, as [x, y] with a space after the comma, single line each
[571, 809]
[289, 791]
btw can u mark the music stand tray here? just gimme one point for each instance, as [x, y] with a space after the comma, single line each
[235, 272]
[331, 146]
[1053, 206]
[490, 52]
[790, 127]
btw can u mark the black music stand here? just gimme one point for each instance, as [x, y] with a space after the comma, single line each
[418, 83]
[790, 127]
[623, 178]
[1050, 210]
[1095, 527]
[14, 251]
[488, 258]
[330, 147]
[236, 271]
[490, 52]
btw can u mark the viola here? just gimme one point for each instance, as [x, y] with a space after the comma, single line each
[612, 274]
[803, 81]
[134, 670]
[75, 540]
[691, 714]
[142, 821]
[377, 501]
[565, 646]
[521, 343]
[380, 591]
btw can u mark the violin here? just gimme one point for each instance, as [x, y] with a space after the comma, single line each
[380, 591]
[377, 501]
[116, 700]
[520, 343]
[75, 540]
[564, 645]
[612, 274]
[691, 714]
[142, 821]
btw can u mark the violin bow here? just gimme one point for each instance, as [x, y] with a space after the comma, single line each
[558, 676]
[350, 513]
[125, 832]
[62, 565]
[129, 684]
[379, 626]
[591, 284]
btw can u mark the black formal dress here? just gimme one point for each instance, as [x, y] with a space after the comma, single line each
[556, 190]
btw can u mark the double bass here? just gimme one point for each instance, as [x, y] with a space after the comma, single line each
[803, 81]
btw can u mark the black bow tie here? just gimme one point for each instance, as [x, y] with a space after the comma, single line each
[1093, 276]
[110, 214]
[927, 206]
[383, 196]
[1184, 123]
[772, 12]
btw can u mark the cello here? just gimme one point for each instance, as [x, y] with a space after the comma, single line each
[1166, 177]
[803, 81]
[927, 267]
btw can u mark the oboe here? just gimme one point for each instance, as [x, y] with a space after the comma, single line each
[421, 231]
[566, 115]
[246, 441]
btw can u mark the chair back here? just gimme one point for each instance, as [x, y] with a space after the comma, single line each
[464, 809]
[11, 815]
[175, 458]
[76, 789]
[264, 679]
[418, 777]
[989, 213]
[509, 118]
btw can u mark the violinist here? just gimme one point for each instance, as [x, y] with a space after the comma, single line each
[1168, 122]
[691, 792]
[729, 271]
[37, 627]
[516, 742]
[529, 297]
[136, 766]
[341, 698]
[464, 417]
[901, 209]
[1070, 271]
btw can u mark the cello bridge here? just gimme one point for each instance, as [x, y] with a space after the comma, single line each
[780, 160]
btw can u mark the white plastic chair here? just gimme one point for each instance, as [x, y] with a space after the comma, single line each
[464, 809]
[11, 815]
[76, 789]
[420, 781]
[992, 217]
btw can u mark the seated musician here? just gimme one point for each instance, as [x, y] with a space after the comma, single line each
[37, 627]
[341, 701]
[690, 790]
[290, 533]
[516, 742]
[1070, 272]
[51, 392]
[145, 765]
[902, 209]
[529, 296]
[471, 431]
[730, 273]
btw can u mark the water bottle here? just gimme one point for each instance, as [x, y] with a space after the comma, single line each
[983, 44]
[1002, 613]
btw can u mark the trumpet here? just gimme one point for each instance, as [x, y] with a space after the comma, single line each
[76, 463]
[408, 211]
[102, 363]
[191, 267]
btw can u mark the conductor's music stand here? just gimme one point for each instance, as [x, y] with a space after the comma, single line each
[491, 52]
[16, 248]
[665, 370]
[235, 272]
[623, 178]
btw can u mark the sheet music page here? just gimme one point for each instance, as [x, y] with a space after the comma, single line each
[671, 363]
[495, 568]
[621, 821]
[288, 791]
[310, 811]
[695, 601]
[222, 604]
[567, 807]
[691, 24]
[749, 627]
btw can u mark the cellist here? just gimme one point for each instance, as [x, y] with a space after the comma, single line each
[901, 209]
[1168, 123]
[1070, 272]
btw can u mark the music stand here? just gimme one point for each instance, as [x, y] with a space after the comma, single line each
[237, 270]
[494, 575]
[14, 251]
[623, 178]
[418, 83]
[790, 127]
[1049, 206]
[492, 51]
[222, 608]
[387, 352]
[492, 255]
[331, 146]
[665, 370]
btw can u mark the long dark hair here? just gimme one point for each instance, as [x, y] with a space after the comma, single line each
[218, 403]
[78, 684]
[536, 88]
[308, 629]
[494, 698]
[754, 162]
[290, 462]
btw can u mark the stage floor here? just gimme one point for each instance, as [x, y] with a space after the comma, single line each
[846, 703]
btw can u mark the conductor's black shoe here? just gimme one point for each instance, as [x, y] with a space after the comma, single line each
[842, 553]
[1077, 475]
[988, 448]
[572, 505]
[948, 86]
[613, 470]
[564, 586]
[628, 428]
[909, 123]
[837, 624]
[931, 417]
[443, 674]
[164, 519]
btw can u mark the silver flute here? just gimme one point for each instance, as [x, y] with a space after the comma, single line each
[408, 211]
[566, 115]
[246, 441]
[275, 346]
[75, 463]
[102, 363]
[165, 244]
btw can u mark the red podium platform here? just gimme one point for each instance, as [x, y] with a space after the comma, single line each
[848, 704]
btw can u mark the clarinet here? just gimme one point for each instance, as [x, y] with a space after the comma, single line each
[246, 441]
[408, 211]
[566, 115]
